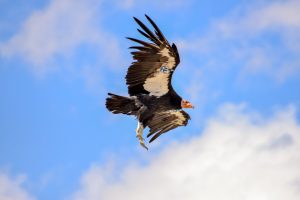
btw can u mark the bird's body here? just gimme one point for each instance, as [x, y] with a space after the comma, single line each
[152, 98]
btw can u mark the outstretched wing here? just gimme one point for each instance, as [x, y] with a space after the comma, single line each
[165, 121]
[154, 63]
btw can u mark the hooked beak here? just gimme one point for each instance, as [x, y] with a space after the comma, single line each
[189, 105]
[186, 104]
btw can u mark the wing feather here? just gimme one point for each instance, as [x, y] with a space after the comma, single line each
[143, 43]
[166, 129]
[154, 63]
[165, 121]
[150, 35]
[157, 30]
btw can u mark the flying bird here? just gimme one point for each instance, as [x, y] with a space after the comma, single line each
[152, 98]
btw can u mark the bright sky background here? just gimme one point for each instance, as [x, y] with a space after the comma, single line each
[240, 67]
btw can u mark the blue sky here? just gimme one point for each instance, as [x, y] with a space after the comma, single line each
[240, 67]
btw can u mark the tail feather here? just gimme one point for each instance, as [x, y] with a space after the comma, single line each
[119, 104]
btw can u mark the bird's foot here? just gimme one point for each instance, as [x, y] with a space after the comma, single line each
[139, 134]
[141, 140]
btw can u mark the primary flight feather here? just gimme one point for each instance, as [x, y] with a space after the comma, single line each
[152, 98]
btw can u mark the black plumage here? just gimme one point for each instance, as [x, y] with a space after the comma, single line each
[152, 98]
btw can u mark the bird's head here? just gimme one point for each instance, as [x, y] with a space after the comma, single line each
[186, 104]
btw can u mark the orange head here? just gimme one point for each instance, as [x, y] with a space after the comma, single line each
[186, 104]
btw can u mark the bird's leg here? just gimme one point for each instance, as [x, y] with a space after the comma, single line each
[139, 134]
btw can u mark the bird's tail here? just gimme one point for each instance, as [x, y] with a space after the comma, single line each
[119, 104]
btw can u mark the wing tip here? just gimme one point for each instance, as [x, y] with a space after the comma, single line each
[136, 19]
[152, 139]
[147, 17]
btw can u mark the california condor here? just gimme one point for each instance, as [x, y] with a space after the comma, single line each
[152, 98]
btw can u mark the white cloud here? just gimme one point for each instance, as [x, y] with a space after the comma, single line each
[258, 37]
[278, 14]
[239, 155]
[56, 31]
[11, 188]
[255, 18]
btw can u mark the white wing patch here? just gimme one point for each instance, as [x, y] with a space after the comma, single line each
[165, 121]
[158, 85]
[171, 59]
[180, 118]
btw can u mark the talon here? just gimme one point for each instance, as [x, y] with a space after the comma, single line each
[141, 140]
[139, 135]
[143, 145]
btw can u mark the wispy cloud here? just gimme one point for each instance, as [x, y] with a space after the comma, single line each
[12, 189]
[56, 31]
[256, 38]
[240, 155]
